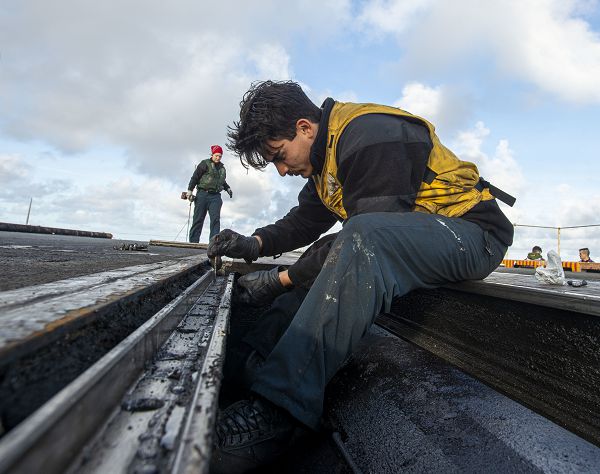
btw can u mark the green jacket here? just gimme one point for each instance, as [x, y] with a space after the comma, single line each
[209, 176]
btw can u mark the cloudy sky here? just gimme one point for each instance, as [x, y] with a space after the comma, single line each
[106, 107]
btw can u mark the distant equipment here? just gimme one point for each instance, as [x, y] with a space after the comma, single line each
[28, 211]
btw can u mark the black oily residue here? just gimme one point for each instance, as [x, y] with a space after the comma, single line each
[186, 330]
[142, 404]
[214, 374]
[545, 358]
[169, 355]
[181, 385]
[174, 374]
[27, 383]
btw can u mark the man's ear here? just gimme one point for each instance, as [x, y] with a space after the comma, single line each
[306, 127]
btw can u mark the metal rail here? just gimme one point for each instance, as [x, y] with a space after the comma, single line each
[51, 438]
[195, 447]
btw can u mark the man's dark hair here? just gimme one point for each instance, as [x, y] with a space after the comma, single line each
[585, 249]
[538, 248]
[268, 111]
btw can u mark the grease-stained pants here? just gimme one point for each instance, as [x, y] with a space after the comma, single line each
[375, 258]
[206, 201]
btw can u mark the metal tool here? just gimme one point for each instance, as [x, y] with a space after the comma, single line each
[183, 196]
[216, 262]
[188, 221]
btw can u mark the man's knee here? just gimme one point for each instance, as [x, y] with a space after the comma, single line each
[355, 237]
[370, 233]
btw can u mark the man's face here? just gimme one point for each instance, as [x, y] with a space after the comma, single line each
[216, 157]
[292, 157]
[584, 254]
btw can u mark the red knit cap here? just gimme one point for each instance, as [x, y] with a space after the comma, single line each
[216, 149]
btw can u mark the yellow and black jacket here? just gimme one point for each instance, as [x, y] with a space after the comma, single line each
[372, 158]
[449, 186]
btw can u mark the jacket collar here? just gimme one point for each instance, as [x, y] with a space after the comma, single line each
[217, 165]
[319, 146]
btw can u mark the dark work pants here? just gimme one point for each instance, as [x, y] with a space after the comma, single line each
[273, 323]
[375, 258]
[212, 203]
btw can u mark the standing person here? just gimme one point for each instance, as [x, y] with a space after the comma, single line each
[535, 254]
[414, 216]
[584, 255]
[209, 180]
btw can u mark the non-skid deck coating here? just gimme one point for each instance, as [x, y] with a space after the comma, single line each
[32, 312]
[403, 412]
[34, 259]
[539, 345]
[401, 409]
[527, 289]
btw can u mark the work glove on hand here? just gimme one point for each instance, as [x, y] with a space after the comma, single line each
[260, 288]
[230, 192]
[234, 245]
[189, 196]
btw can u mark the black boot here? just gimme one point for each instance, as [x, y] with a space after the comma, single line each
[250, 434]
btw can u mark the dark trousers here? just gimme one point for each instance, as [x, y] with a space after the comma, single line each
[375, 258]
[212, 203]
[273, 323]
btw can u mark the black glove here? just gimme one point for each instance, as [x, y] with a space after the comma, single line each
[230, 192]
[260, 288]
[234, 245]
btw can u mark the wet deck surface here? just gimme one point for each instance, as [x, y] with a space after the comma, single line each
[403, 409]
[530, 282]
[35, 311]
[397, 406]
[33, 259]
[527, 289]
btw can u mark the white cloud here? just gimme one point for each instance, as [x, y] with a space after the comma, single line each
[14, 188]
[446, 108]
[162, 83]
[566, 209]
[390, 16]
[501, 168]
[271, 61]
[545, 202]
[12, 168]
[421, 100]
[542, 42]
[555, 50]
[576, 209]
[157, 84]
[137, 207]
